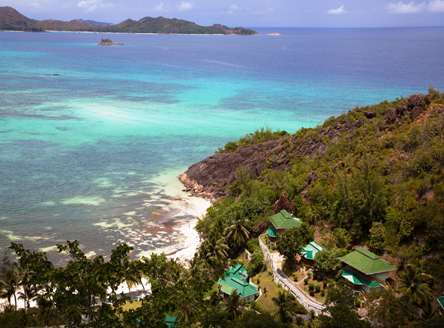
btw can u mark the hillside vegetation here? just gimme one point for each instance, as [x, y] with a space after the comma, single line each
[376, 164]
[372, 177]
[10, 19]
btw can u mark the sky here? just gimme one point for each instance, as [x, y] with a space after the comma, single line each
[247, 13]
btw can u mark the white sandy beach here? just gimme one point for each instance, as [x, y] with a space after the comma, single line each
[184, 210]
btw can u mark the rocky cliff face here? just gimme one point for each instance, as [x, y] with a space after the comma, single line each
[211, 176]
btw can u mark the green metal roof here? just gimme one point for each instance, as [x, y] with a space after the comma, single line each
[272, 231]
[283, 220]
[441, 301]
[357, 279]
[234, 280]
[170, 321]
[366, 262]
[309, 251]
[238, 272]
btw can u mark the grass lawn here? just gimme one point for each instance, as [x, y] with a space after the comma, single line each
[132, 305]
[266, 282]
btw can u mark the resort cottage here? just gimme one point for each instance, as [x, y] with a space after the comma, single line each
[279, 223]
[170, 321]
[237, 279]
[364, 269]
[441, 303]
[309, 251]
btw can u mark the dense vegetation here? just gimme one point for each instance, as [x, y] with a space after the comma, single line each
[379, 184]
[10, 19]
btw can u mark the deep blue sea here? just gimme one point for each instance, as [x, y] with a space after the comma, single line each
[90, 135]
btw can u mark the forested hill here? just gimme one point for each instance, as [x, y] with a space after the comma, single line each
[12, 20]
[380, 165]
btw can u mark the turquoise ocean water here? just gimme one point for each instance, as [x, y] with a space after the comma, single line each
[89, 134]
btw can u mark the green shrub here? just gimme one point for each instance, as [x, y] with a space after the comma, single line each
[306, 281]
[324, 283]
[311, 286]
[318, 288]
[322, 293]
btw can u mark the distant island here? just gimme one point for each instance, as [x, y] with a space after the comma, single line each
[108, 42]
[12, 20]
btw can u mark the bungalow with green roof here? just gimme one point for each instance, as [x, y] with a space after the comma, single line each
[309, 251]
[171, 321]
[236, 278]
[279, 223]
[441, 303]
[364, 269]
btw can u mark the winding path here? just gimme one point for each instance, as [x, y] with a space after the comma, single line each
[276, 261]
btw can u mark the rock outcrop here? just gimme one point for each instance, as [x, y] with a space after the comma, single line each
[211, 177]
[416, 104]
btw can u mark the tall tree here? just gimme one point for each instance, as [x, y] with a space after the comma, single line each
[9, 280]
[386, 309]
[233, 305]
[341, 310]
[237, 234]
[287, 306]
[412, 284]
[327, 260]
[293, 240]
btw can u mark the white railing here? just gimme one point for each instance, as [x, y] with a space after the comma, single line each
[301, 297]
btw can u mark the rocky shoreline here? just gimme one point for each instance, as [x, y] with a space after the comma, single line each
[211, 177]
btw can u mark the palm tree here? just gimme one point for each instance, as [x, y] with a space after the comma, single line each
[233, 305]
[9, 280]
[286, 306]
[27, 295]
[413, 285]
[187, 310]
[236, 233]
[133, 277]
[428, 313]
[215, 249]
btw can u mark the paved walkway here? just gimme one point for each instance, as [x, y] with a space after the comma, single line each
[277, 261]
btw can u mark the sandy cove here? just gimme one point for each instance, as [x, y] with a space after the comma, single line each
[183, 210]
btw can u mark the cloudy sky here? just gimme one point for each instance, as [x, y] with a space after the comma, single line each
[249, 13]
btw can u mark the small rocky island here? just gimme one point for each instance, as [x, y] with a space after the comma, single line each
[108, 42]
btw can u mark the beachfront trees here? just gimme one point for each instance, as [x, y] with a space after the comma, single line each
[9, 280]
[293, 240]
[72, 290]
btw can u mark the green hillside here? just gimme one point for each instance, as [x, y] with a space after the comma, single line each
[371, 179]
[10, 19]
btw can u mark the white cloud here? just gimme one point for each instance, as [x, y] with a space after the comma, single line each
[233, 8]
[92, 5]
[162, 7]
[405, 8]
[184, 6]
[436, 6]
[337, 11]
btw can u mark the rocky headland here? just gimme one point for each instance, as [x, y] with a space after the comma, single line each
[211, 177]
